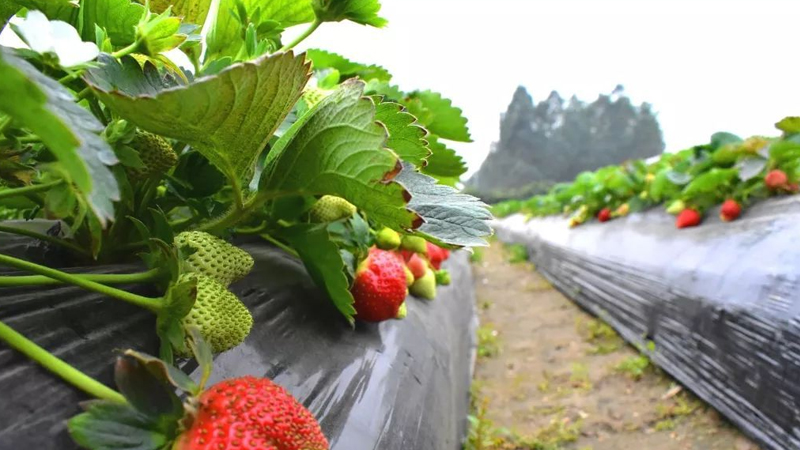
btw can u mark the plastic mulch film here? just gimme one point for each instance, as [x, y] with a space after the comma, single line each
[395, 385]
[720, 301]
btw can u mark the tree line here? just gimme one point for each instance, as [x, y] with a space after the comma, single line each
[554, 140]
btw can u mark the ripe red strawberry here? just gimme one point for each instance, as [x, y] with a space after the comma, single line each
[251, 413]
[604, 215]
[380, 286]
[730, 210]
[688, 218]
[437, 255]
[417, 266]
[776, 179]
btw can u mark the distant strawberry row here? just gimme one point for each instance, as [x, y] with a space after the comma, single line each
[727, 171]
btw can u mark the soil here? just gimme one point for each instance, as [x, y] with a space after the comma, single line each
[550, 376]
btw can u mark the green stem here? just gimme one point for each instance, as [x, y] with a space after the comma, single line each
[127, 50]
[103, 278]
[313, 27]
[149, 190]
[69, 77]
[50, 362]
[84, 94]
[258, 229]
[4, 124]
[46, 238]
[281, 245]
[8, 193]
[236, 215]
[153, 304]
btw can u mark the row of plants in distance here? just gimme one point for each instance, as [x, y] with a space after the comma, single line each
[164, 131]
[730, 171]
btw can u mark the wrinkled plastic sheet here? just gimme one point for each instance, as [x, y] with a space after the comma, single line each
[721, 301]
[394, 385]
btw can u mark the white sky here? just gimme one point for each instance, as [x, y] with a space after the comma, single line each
[705, 65]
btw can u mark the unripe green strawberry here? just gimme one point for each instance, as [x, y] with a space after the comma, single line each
[425, 287]
[387, 239]
[223, 320]
[330, 208]
[214, 257]
[676, 207]
[409, 275]
[155, 152]
[402, 313]
[250, 413]
[443, 277]
[415, 244]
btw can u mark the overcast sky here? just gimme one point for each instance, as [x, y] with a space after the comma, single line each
[705, 65]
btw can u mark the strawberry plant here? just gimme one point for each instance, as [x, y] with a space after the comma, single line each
[159, 130]
[727, 171]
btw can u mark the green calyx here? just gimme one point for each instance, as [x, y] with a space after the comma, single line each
[425, 286]
[222, 319]
[213, 257]
[330, 208]
[156, 154]
[387, 239]
[415, 244]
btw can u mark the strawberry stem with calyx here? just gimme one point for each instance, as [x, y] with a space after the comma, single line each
[153, 304]
[104, 278]
[58, 366]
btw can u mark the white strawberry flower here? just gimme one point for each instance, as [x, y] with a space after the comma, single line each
[54, 38]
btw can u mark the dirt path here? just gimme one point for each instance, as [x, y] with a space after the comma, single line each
[551, 377]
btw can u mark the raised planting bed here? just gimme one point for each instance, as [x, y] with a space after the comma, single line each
[398, 384]
[720, 302]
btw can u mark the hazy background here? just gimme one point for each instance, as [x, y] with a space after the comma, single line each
[704, 65]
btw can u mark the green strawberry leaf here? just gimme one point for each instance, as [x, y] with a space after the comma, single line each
[438, 115]
[389, 92]
[146, 392]
[53, 9]
[721, 138]
[203, 354]
[406, 137]
[192, 11]
[337, 148]
[444, 162]
[69, 131]
[324, 263]
[226, 36]
[118, 18]
[6, 11]
[228, 117]
[750, 167]
[784, 152]
[789, 125]
[166, 374]
[449, 216]
[364, 12]
[114, 426]
[322, 59]
[713, 181]
[159, 33]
